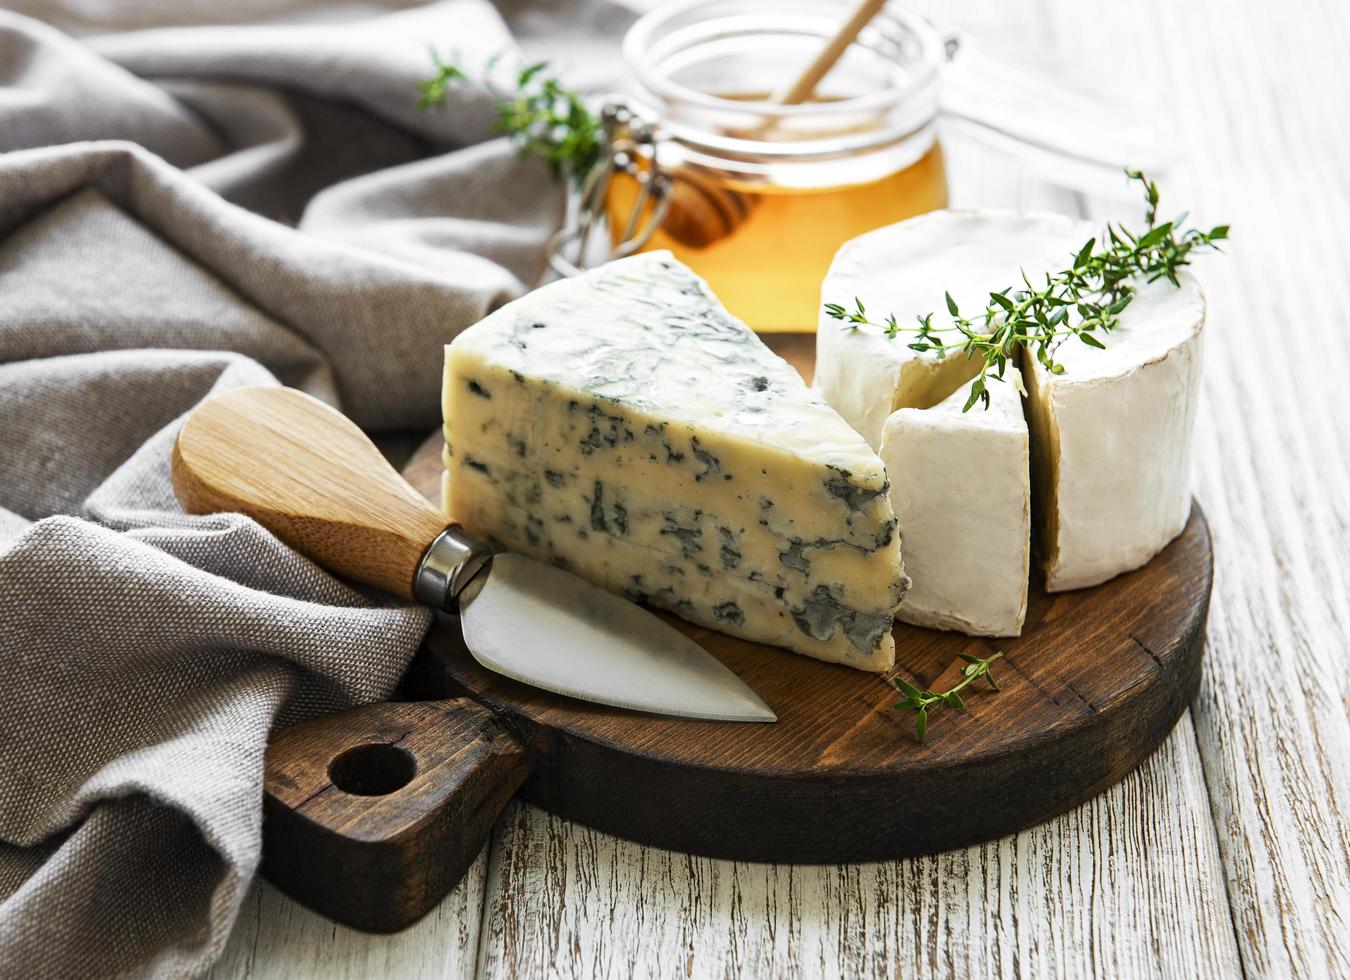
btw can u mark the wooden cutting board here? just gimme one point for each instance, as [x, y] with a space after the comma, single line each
[1093, 685]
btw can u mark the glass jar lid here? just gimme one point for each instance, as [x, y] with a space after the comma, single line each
[706, 71]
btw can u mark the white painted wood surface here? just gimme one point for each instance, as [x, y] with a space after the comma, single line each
[277, 939]
[1128, 886]
[1228, 852]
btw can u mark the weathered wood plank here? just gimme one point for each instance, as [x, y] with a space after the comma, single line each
[1258, 87]
[1128, 886]
[278, 938]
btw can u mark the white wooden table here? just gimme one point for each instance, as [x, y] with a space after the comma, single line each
[1228, 851]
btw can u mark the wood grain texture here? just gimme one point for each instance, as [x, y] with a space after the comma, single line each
[277, 938]
[1255, 90]
[370, 816]
[1098, 892]
[311, 477]
[1266, 84]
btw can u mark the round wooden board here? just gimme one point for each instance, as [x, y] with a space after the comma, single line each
[1093, 685]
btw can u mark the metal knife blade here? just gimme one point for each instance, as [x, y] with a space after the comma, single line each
[547, 628]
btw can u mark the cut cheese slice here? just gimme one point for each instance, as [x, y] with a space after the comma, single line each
[962, 494]
[622, 425]
[1111, 439]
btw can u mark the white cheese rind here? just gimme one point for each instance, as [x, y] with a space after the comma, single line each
[906, 269]
[962, 494]
[1112, 439]
[624, 426]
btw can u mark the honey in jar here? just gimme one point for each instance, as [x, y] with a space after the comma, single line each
[764, 194]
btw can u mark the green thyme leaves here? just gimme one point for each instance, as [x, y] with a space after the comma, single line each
[1083, 301]
[921, 702]
[539, 114]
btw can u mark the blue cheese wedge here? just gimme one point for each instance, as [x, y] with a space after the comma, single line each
[624, 426]
[961, 491]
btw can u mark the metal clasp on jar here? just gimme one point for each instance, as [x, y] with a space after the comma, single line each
[630, 149]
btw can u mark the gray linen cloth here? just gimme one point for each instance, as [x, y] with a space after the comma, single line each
[195, 196]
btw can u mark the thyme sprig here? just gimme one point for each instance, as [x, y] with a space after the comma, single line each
[1083, 301]
[921, 701]
[541, 116]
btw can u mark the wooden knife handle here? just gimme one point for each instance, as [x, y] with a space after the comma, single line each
[311, 477]
[372, 815]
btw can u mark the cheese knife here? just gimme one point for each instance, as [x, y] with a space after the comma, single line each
[311, 477]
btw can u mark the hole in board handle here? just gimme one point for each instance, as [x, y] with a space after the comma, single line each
[376, 769]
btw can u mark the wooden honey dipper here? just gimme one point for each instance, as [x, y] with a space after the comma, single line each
[702, 211]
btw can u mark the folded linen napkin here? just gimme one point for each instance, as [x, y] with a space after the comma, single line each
[188, 205]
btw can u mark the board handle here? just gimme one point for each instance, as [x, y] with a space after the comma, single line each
[306, 473]
[372, 815]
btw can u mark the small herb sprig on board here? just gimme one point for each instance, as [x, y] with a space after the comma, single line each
[921, 701]
[542, 117]
[1082, 301]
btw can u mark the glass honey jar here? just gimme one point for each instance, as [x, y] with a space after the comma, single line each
[754, 195]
